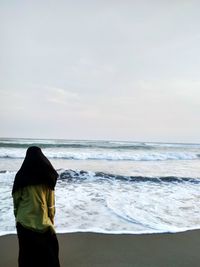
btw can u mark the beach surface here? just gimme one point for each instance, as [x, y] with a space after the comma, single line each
[107, 250]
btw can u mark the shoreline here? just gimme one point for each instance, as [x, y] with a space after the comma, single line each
[99, 232]
[86, 249]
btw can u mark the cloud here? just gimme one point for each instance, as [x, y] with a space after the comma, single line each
[60, 96]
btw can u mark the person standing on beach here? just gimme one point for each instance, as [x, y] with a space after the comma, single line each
[34, 210]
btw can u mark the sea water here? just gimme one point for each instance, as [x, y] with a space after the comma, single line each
[112, 186]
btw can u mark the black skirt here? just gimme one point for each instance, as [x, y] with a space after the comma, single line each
[37, 249]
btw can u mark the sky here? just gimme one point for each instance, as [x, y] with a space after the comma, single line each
[114, 70]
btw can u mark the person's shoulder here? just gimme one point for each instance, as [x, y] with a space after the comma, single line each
[37, 188]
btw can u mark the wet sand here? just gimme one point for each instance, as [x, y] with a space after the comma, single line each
[95, 250]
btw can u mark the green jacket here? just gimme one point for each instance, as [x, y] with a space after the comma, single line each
[34, 207]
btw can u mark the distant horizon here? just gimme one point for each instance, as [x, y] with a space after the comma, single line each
[102, 140]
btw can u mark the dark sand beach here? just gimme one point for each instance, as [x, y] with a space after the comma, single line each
[92, 250]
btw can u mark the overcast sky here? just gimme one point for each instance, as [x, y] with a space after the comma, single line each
[115, 69]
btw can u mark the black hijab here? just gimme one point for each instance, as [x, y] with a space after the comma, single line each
[36, 169]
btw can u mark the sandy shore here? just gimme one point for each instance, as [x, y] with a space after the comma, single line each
[94, 250]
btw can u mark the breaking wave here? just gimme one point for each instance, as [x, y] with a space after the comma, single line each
[72, 175]
[104, 155]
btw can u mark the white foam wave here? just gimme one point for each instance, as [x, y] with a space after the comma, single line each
[104, 155]
[105, 204]
[7, 177]
[115, 206]
[12, 153]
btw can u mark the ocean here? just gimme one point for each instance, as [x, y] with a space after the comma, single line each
[112, 186]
